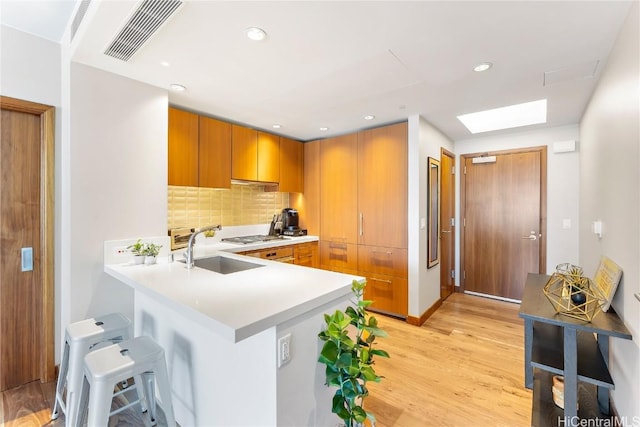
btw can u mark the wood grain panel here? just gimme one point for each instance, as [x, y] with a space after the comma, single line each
[307, 254]
[244, 153]
[308, 203]
[389, 294]
[502, 207]
[339, 189]
[268, 157]
[383, 260]
[214, 153]
[382, 186]
[339, 256]
[20, 216]
[183, 148]
[291, 166]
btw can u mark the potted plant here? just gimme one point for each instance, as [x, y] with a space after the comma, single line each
[348, 354]
[151, 251]
[137, 249]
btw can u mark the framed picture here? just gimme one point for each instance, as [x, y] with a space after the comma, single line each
[606, 280]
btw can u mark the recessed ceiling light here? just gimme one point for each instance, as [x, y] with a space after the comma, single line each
[324, 128]
[177, 88]
[256, 34]
[369, 117]
[528, 113]
[483, 66]
[165, 64]
[276, 126]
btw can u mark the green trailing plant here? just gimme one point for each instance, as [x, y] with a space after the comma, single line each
[151, 249]
[137, 248]
[348, 354]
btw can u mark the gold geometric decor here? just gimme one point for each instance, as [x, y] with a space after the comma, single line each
[572, 294]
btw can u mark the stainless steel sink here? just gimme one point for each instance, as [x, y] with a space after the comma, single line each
[223, 265]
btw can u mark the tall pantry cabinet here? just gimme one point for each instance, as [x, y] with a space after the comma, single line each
[363, 211]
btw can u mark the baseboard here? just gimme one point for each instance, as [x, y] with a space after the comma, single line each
[419, 321]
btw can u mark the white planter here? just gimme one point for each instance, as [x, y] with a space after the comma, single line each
[139, 259]
[150, 259]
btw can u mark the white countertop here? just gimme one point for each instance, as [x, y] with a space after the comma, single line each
[240, 304]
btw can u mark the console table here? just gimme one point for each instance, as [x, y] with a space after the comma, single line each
[565, 346]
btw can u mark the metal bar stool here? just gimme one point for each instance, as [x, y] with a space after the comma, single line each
[108, 366]
[81, 338]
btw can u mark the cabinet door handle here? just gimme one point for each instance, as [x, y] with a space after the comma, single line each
[389, 282]
[361, 225]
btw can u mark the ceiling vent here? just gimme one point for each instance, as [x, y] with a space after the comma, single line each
[143, 23]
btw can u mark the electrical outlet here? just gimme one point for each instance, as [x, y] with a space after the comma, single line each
[284, 350]
[121, 250]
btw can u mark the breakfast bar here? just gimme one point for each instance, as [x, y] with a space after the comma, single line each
[223, 336]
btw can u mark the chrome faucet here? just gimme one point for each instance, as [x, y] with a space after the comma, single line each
[189, 253]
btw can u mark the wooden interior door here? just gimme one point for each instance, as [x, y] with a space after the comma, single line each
[26, 221]
[503, 211]
[447, 224]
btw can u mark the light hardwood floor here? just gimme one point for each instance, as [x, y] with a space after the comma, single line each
[463, 367]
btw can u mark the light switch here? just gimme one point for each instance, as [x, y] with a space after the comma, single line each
[566, 223]
[27, 259]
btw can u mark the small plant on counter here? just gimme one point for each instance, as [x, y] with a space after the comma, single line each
[349, 358]
[151, 249]
[137, 248]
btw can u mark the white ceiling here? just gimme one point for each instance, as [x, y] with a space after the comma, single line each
[330, 63]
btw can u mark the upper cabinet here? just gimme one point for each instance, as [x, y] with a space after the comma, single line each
[244, 153]
[268, 157]
[214, 153]
[199, 150]
[255, 155]
[183, 148]
[205, 152]
[291, 166]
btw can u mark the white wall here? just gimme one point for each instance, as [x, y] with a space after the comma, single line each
[610, 191]
[562, 186]
[118, 180]
[424, 284]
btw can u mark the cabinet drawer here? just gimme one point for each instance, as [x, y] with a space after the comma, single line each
[339, 256]
[385, 261]
[273, 253]
[306, 254]
[389, 294]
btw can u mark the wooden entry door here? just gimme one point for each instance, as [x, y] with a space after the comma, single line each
[26, 221]
[504, 221]
[447, 223]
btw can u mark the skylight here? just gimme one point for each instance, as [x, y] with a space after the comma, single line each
[529, 113]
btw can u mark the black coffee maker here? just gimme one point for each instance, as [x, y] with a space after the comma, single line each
[289, 219]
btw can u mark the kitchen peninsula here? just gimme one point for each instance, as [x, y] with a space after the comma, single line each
[221, 336]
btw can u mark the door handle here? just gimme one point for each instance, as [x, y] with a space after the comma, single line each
[446, 231]
[531, 236]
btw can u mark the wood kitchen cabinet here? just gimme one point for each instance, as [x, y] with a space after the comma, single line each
[382, 186]
[199, 150]
[308, 203]
[255, 156]
[339, 203]
[306, 254]
[183, 148]
[244, 153]
[291, 166]
[363, 211]
[214, 153]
